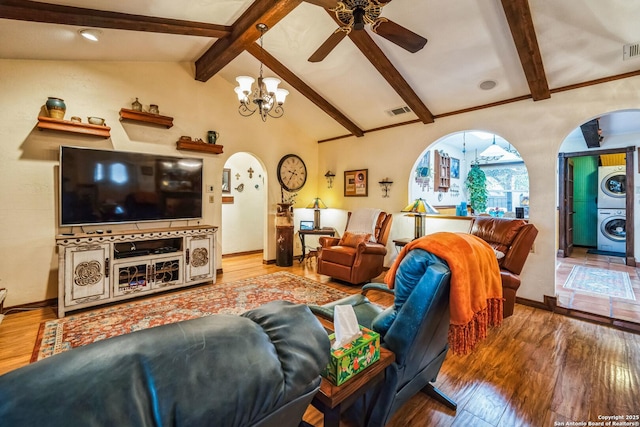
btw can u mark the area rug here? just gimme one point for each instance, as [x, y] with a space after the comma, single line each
[599, 281]
[57, 336]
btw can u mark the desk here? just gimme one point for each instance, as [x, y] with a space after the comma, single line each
[327, 231]
[332, 400]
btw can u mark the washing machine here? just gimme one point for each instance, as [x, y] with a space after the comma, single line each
[612, 189]
[612, 230]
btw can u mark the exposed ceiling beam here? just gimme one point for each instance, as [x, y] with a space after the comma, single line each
[524, 36]
[23, 10]
[244, 33]
[374, 54]
[286, 74]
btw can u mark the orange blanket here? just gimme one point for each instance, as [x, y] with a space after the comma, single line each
[476, 288]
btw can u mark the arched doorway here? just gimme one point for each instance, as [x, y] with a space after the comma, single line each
[243, 205]
[596, 218]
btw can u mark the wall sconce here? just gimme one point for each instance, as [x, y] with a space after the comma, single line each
[329, 175]
[385, 184]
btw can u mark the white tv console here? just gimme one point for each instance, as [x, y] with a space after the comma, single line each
[96, 269]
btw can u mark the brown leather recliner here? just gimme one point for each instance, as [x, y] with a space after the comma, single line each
[514, 238]
[355, 261]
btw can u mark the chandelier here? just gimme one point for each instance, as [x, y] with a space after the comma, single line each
[267, 98]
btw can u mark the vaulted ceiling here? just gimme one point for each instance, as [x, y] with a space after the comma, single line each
[531, 49]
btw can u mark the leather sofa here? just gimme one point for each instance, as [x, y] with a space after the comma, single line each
[512, 237]
[258, 369]
[353, 261]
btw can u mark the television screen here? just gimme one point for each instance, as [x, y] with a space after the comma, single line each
[101, 187]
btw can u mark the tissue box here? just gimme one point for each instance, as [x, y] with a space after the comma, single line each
[347, 361]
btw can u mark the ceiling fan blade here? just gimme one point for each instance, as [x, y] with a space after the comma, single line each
[327, 46]
[327, 4]
[399, 35]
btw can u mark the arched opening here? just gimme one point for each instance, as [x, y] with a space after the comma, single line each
[440, 173]
[596, 222]
[244, 210]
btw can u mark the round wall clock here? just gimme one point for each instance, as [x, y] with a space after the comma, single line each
[292, 172]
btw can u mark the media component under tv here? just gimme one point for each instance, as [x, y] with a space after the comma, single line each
[103, 187]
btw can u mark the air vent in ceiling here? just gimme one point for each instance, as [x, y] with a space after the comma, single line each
[630, 51]
[399, 110]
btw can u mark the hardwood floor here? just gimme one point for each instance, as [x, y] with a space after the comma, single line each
[538, 369]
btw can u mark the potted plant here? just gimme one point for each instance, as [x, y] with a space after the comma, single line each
[476, 184]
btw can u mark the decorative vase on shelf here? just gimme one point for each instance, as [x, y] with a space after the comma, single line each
[55, 107]
[136, 105]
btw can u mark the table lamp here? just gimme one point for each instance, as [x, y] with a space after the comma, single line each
[418, 209]
[316, 204]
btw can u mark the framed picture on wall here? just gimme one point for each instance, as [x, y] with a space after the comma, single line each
[356, 183]
[455, 168]
[226, 180]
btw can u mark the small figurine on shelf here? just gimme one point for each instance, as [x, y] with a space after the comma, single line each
[199, 140]
[136, 105]
[153, 109]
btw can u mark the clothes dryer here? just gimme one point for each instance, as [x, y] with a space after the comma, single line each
[612, 187]
[612, 230]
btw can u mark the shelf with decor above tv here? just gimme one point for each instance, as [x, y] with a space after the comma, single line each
[49, 123]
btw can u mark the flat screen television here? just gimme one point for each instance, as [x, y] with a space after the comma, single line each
[104, 187]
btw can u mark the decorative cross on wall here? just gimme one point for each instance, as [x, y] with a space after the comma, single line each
[250, 170]
[237, 176]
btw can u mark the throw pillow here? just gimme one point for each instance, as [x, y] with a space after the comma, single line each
[353, 239]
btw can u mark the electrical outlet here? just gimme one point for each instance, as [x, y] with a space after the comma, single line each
[209, 188]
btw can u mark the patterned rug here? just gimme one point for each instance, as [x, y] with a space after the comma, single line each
[59, 335]
[599, 281]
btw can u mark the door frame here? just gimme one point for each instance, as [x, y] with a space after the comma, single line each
[563, 159]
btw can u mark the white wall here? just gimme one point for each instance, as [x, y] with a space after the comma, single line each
[29, 158]
[243, 221]
[535, 129]
[28, 220]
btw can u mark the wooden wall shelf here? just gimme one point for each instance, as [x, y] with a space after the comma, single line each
[442, 166]
[67, 126]
[141, 116]
[203, 147]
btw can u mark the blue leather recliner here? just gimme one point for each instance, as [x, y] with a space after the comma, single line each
[415, 328]
[258, 369]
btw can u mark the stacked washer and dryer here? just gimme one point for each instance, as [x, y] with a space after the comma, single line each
[612, 203]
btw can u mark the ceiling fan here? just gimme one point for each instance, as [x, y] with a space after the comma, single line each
[354, 15]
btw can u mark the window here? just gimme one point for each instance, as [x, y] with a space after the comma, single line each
[508, 186]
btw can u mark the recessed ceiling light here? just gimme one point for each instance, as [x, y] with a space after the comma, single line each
[488, 84]
[90, 34]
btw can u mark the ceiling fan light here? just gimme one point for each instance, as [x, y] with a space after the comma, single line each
[272, 84]
[281, 95]
[358, 18]
[245, 83]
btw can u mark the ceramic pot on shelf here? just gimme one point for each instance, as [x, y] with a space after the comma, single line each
[55, 107]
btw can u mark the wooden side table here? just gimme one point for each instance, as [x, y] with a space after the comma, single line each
[400, 243]
[329, 231]
[332, 400]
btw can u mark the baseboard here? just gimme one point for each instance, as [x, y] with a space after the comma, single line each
[33, 305]
[259, 251]
[551, 304]
[548, 304]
